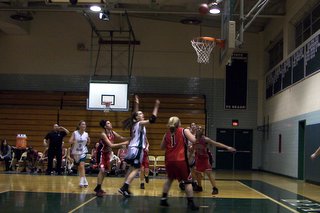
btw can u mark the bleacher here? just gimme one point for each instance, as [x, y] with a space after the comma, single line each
[35, 123]
[33, 113]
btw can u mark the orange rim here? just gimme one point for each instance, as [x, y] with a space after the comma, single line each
[219, 42]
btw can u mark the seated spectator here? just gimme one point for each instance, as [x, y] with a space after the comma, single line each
[94, 156]
[42, 161]
[5, 153]
[99, 148]
[114, 163]
[16, 157]
[31, 160]
[122, 152]
[22, 162]
[64, 159]
[28, 161]
[70, 161]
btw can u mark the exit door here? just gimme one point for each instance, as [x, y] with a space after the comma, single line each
[241, 139]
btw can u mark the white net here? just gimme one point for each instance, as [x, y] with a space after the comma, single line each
[107, 106]
[203, 49]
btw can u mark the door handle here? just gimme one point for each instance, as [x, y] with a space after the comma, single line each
[240, 151]
[243, 151]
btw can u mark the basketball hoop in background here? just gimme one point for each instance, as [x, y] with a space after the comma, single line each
[204, 46]
[107, 106]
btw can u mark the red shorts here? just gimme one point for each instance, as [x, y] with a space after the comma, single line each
[178, 170]
[105, 160]
[145, 160]
[203, 164]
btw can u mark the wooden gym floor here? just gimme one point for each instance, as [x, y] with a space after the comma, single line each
[238, 192]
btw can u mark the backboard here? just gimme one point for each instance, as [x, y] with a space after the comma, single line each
[102, 92]
[228, 31]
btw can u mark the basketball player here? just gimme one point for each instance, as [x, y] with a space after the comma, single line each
[79, 140]
[202, 164]
[134, 157]
[175, 145]
[108, 136]
[191, 160]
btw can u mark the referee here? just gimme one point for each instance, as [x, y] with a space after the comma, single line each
[55, 140]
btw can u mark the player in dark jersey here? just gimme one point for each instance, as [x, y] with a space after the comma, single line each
[175, 145]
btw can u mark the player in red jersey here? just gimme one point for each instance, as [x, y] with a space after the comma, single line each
[175, 145]
[108, 136]
[202, 157]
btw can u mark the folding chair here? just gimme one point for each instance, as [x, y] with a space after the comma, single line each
[88, 160]
[160, 163]
[152, 164]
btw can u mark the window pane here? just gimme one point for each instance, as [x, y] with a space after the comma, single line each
[306, 22]
[306, 34]
[316, 13]
[299, 29]
[315, 26]
[276, 54]
[298, 41]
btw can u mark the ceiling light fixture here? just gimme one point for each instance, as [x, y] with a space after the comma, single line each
[104, 15]
[192, 21]
[214, 8]
[95, 8]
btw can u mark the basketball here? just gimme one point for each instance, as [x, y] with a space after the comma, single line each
[203, 9]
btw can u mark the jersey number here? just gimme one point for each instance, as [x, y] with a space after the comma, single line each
[173, 141]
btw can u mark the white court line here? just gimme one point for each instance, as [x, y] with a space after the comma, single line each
[277, 202]
[78, 207]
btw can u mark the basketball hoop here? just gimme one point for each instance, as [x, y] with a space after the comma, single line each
[204, 46]
[107, 106]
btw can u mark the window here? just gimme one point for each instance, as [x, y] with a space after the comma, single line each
[308, 25]
[276, 54]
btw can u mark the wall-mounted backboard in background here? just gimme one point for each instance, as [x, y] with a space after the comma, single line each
[100, 92]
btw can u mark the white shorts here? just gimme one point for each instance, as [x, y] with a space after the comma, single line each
[80, 158]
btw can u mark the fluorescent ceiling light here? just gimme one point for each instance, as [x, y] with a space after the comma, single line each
[214, 9]
[95, 8]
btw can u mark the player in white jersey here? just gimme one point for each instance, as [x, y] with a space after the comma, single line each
[136, 144]
[79, 140]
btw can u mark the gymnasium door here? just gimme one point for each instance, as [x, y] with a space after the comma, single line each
[241, 139]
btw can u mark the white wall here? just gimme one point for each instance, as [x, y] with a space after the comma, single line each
[287, 108]
[299, 99]
[51, 47]
[165, 50]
